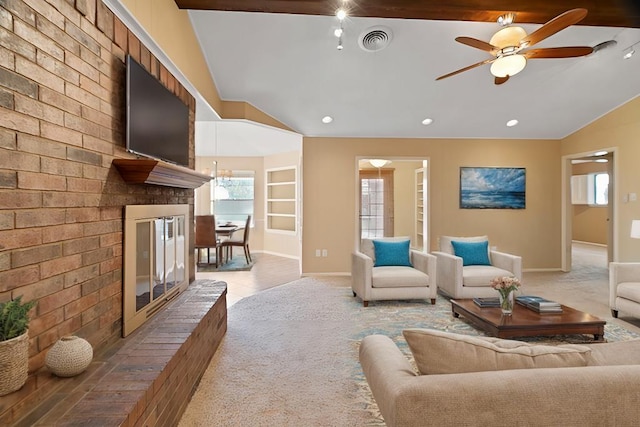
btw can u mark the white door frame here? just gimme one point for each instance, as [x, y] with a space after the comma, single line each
[427, 204]
[567, 207]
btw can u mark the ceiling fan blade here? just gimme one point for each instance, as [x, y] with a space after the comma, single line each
[558, 52]
[477, 64]
[558, 23]
[478, 44]
[500, 80]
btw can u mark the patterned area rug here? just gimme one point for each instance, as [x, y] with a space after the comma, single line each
[290, 356]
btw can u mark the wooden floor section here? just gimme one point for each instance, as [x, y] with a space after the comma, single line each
[267, 272]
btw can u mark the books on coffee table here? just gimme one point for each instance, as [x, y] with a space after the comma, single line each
[487, 302]
[539, 304]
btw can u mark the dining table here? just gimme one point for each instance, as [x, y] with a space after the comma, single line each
[226, 230]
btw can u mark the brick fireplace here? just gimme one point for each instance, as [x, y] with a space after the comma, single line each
[62, 112]
[155, 268]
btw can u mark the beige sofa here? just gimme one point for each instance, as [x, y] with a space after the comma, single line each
[604, 393]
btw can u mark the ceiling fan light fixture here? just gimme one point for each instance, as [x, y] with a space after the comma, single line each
[509, 65]
[508, 36]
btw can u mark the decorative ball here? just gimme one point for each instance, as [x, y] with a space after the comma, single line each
[69, 356]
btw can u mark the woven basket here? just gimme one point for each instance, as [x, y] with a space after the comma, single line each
[69, 356]
[14, 363]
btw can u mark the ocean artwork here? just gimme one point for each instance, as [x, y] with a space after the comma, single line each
[492, 188]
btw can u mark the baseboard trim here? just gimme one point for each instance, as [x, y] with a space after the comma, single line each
[602, 245]
[333, 274]
[278, 254]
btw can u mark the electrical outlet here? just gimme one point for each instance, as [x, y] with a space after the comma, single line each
[325, 253]
[633, 197]
[318, 252]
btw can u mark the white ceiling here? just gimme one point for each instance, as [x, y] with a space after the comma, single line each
[288, 67]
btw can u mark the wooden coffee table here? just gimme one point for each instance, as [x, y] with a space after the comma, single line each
[526, 323]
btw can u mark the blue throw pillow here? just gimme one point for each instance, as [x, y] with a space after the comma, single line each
[392, 253]
[472, 253]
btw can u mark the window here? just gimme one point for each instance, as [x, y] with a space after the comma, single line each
[591, 189]
[232, 196]
[376, 203]
[600, 188]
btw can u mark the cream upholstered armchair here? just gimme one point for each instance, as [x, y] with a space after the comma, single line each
[624, 288]
[466, 266]
[387, 269]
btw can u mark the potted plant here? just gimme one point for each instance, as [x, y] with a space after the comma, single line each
[14, 344]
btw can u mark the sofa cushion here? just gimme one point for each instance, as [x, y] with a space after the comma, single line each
[398, 277]
[481, 275]
[629, 290]
[391, 253]
[438, 352]
[615, 353]
[472, 253]
[366, 245]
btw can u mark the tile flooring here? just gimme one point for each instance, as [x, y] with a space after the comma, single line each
[268, 271]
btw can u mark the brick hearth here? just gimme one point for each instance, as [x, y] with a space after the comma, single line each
[148, 377]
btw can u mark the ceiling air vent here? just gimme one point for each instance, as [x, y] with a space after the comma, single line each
[375, 38]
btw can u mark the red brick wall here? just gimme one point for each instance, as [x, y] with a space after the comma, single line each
[62, 119]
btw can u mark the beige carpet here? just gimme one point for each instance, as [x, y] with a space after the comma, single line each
[282, 364]
[290, 354]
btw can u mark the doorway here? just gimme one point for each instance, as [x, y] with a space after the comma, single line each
[392, 199]
[589, 208]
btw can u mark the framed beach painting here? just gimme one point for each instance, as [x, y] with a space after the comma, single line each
[492, 188]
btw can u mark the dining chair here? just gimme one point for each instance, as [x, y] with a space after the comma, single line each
[244, 242]
[206, 237]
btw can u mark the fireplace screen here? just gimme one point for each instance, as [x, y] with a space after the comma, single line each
[155, 267]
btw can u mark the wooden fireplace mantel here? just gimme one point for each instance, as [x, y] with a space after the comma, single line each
[157, 172]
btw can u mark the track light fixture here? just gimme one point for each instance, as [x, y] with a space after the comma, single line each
[341, 14]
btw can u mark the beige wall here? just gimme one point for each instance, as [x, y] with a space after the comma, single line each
[171, 29]
[619, 129]
[589, 223]
[330, 173]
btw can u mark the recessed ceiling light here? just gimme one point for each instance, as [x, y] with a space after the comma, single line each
[512, 123]
[427, 121]
[327, 119]
[600, 153]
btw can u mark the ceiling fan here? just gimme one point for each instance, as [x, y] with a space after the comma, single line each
[508, 45]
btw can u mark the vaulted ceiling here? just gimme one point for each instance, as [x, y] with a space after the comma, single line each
[280, 56]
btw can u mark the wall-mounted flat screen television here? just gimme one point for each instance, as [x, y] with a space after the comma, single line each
[157, 120]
